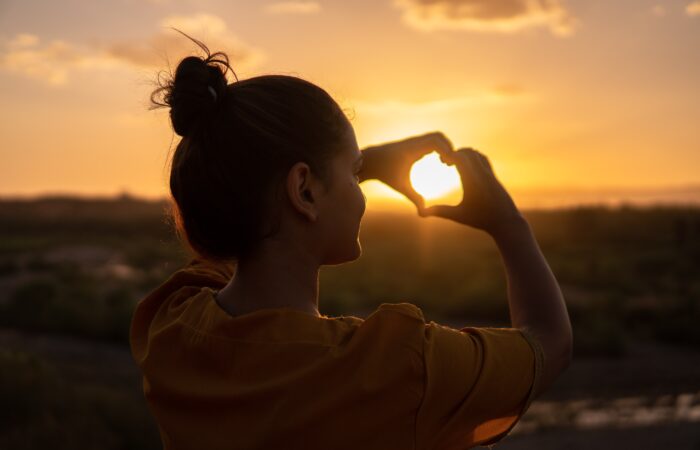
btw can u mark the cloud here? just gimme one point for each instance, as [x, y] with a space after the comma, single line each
[293, 7]
[50, 62]
[167, 43]
[505, 16]
[658, 10]
[693, 9]
[54, 61]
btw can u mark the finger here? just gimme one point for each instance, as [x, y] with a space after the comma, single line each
[467, 159]
[449, 157]
[442, 144]
[429, 142]
[416, 198]
[470, 169]
[444, 211]
[484, 161]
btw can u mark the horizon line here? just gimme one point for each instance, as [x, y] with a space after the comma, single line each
[527, 198]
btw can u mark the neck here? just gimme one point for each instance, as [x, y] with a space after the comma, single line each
[278, 275]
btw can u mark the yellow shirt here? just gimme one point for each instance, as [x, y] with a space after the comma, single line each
[285, 379]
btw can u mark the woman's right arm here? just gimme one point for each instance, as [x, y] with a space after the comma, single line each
[534, 298]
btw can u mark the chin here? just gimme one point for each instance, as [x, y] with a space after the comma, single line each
[348, 255]
[357, 251]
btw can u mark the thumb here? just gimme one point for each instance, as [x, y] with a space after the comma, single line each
[417, 200]
[444, 211]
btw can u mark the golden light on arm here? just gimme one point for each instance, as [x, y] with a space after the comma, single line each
[432, 179]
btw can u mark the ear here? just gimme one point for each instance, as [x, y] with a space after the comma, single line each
[302, 188]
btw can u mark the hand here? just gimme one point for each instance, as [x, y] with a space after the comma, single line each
[485, 203]
[391, 163]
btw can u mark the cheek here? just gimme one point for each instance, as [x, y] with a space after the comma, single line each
[361, 193]
[347, 212]
[360, 196]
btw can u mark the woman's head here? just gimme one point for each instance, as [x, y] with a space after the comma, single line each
[259, 158]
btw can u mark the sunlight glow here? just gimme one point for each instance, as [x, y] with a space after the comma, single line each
[432, 179]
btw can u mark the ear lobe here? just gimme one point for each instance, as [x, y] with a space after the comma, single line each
[300, 186]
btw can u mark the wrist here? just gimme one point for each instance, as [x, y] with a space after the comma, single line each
[514, 227]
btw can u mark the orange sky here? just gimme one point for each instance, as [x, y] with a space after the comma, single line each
[569, 99]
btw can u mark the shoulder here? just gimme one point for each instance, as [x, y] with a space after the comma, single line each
[399, 311]
[393, 324]
[204, 272]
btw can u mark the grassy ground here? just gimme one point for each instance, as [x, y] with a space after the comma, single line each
[72, 270]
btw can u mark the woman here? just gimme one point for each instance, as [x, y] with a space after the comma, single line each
[233, 349]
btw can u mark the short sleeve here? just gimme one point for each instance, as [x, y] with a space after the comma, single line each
[477, 384]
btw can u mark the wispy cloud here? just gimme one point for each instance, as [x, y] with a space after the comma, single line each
[509, 90]
[506, 16]
[293, 7]
[50, 62]
[54, 61]
[658, 10]
[210, 29]
[693, 9]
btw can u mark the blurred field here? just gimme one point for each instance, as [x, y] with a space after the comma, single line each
[71, 271]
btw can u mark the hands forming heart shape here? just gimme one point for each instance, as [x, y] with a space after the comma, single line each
[485, 204]
[391, 162]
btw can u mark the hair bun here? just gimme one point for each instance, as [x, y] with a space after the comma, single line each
[195, 90]
[193, 93]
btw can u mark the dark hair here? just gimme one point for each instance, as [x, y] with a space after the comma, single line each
[239, 141]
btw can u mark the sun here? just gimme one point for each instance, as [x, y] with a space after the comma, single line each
[433, 179]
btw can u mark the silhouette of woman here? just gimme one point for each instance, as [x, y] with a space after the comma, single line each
[232, 347]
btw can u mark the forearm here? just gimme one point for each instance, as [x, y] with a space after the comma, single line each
[534, 297]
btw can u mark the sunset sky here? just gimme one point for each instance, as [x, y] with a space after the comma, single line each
[564, 97]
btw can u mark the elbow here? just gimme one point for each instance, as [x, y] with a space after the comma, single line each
[566, 353]
[560, 350]
[566, 360]
[557, 347]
